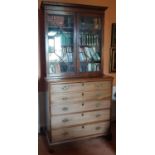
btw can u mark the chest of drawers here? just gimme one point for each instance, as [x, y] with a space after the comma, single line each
[78, 109]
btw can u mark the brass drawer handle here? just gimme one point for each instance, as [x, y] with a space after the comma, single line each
[82, 126]
[98, 128]
[98, 104]
[65, 87]
[65, 120]
[65, 133]
[64, 98]
[98, 115]
[65, 108]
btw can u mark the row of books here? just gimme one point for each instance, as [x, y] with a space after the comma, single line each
[90, 23]
[67, 39]
[68, 57]
[56, 20]
[88, 39]
[60, 21]
[90, 67]
[60, 67]
[66, 49]
[63, 54]
[67, 54]
[88, 54]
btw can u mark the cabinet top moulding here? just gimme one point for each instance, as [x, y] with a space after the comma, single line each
[67, 6]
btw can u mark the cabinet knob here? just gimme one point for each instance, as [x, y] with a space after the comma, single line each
[65, 120]
[98, 115]
[64, 98]
[65, 87]
[65, 108]
[98, 128]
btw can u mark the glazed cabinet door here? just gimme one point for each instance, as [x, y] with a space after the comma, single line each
[60, 47]
[89, 43]
[73, 41]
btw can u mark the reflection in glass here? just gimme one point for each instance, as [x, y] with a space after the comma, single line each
[60, 44]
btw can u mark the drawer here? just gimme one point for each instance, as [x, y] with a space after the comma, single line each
[97, 95]
[104, 85]
[60, 88]
[66, 97]
[80, 131]
[79, 118]
[64, 108]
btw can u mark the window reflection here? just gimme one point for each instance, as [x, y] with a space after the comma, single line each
[54, 44]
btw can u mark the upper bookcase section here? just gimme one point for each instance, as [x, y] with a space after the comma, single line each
[73, 40]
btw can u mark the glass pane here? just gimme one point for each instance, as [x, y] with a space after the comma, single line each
[60, 44]
[90, 44]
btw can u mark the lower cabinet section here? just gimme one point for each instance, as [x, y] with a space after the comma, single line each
[79, 131]
[79, 108]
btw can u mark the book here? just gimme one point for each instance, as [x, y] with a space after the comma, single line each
[96, 53]
[81, 58]
[87, 52]
[52, 68]
[57, 66]
[70, 57]
[65, 58]
[93, 54]
[82, 55]
[89, 67]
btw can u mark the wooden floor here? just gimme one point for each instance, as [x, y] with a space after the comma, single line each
[96, 146]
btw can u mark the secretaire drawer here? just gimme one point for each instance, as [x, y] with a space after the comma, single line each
[70, 87]
[71, 107]
[88, 86]
[79, 118]
[80, 131]
[65, 97]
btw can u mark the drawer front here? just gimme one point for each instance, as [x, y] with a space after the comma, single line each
[61, 88]
[79, 118]
[80, 131]
[66, 97]
[97, 85]
[64, 108]
[97, 95]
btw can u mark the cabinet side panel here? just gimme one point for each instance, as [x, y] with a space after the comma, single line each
[48, 111]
